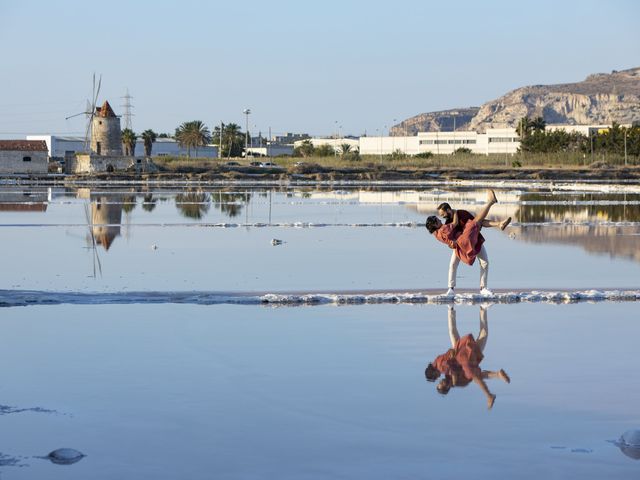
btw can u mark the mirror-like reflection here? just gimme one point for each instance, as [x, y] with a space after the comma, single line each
[193, 204]
[138, 232]
[460, 365]
[106, 219]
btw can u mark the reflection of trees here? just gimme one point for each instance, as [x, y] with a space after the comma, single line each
[193, 204]
[128, 203]
[612, 213]
[231, 203]
[619, 242]
[149, 203]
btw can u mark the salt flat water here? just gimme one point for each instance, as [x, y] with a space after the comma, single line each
[185, 390]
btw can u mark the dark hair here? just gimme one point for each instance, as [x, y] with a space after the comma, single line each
[444, 385]
[444, 206]
[432, 223]
[431, 373]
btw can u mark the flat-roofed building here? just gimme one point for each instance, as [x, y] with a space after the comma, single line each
[335, 143]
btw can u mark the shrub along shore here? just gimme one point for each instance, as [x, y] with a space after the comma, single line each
[335, 169]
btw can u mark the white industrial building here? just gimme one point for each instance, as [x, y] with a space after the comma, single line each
[335, 143]
[63, 146]
[271, 150]
[493, 141]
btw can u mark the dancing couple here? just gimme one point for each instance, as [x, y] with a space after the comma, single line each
[461, 233]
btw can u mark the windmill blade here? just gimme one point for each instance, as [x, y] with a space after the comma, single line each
[95, 98]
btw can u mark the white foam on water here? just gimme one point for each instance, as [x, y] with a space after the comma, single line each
[15, 298]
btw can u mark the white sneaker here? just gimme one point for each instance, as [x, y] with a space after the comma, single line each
[450, 293]
[485, 292]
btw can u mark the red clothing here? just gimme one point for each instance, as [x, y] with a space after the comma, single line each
[463, 217]
[467, 243]
[465, 358]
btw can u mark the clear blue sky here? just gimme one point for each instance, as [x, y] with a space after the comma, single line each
[300, 66]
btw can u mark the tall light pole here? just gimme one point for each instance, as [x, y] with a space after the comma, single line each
[393, 139]
[625, 146]
[247, 112]
[454, 114]
[335, 142]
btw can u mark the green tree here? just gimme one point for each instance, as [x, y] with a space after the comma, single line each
[523, 128]
[193, 134]
[232, 140]
[305, 149]
[129, 142]
[325, 150]
[538, 124]
[148, 137]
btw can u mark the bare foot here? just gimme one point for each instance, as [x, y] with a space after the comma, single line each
[503, 375]
[490, 401]
[491, 196]
[504, 223]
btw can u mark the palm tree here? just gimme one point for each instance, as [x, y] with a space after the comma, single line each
[538, 124]
[193, 134]
[233, 139]
[129, 142]
[345, 148]
[149, 203]
[305, 149]
[148, 136]
[193, 204]
[523, 129]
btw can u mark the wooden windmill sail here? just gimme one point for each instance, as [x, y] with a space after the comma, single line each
[90, 111]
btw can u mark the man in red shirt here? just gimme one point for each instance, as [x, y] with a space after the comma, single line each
[445, 211]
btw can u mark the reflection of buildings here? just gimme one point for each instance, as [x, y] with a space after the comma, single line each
[597, 239]
[426, 202]
[106, 217]
[32, 200]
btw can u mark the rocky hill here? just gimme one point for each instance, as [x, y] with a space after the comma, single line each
[442, 121]
[600, 99]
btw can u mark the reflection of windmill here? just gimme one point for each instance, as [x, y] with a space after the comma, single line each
[90, 111]
[92, 237]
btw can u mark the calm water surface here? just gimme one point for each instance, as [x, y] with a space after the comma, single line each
[248, 392]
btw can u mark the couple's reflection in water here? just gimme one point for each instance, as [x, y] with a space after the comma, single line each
[460, 365]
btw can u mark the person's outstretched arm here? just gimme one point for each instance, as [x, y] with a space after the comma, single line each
[455, 220]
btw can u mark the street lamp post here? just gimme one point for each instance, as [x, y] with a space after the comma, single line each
[247, 112]
[335, 142]
[625, 147]
[454, 114]
[393, 139]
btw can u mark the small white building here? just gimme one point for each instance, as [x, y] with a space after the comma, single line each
[23, 156]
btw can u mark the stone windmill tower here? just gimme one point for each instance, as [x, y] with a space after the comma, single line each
[106, 136]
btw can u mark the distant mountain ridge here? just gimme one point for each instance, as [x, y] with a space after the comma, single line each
[601, 98]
